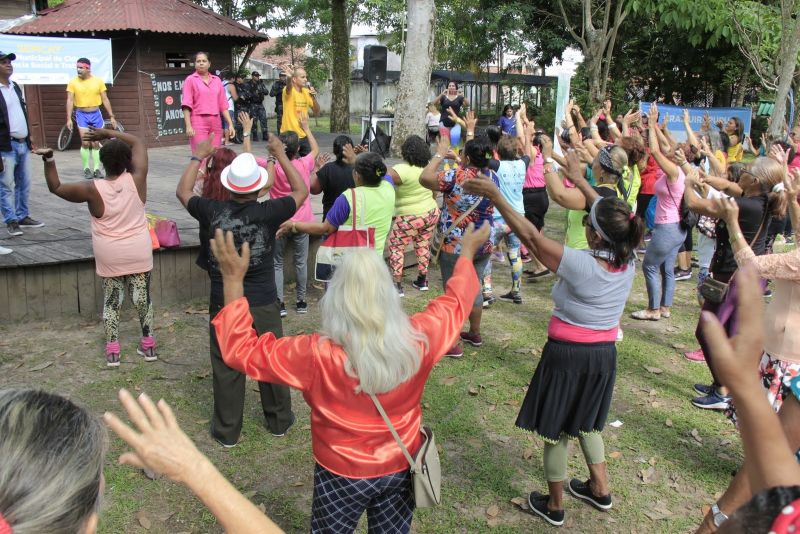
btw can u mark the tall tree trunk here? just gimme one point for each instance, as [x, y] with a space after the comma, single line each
[741, 89]
[340, 70]
[415, 74]
[790, 46]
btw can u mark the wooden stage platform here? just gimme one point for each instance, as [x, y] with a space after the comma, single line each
[51, 271]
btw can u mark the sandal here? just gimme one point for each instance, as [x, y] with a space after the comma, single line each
[646, 315]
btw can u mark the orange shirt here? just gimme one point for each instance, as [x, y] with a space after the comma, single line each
[348, 435]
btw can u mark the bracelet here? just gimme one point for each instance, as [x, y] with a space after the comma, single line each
[735, 237]
[593, 127]
[195, 158]
[51, 159]
[471, 133]
[245, 135]
[438, 156]
[612, 125]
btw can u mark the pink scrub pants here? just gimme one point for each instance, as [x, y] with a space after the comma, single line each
[204, 126]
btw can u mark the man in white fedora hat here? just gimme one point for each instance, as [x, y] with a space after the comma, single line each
[255, 223]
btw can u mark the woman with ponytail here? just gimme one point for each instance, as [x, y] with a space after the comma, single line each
[668, 235]
[570, 393]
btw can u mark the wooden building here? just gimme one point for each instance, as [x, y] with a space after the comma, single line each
[153, 47]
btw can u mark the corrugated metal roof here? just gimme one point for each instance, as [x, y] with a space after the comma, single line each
[159, 16]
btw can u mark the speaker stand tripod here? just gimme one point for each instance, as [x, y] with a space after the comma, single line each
[372, 136]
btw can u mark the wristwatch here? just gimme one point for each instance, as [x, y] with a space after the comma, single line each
[718, 516]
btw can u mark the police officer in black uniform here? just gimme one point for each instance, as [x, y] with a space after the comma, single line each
[276, 91]
[257, 93]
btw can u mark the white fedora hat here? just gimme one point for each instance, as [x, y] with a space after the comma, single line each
[244, 175]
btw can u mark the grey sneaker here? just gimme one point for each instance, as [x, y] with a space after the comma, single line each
[98, 173]
[112, 359]
[149, 354]
[13, 228]
[30, 222]
[87, 173]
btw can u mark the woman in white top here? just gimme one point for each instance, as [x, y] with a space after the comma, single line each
[432, 119]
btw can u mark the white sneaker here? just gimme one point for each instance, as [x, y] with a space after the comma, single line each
[4, 250]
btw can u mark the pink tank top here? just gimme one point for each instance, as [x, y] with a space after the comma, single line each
[120, 238]
[534, 176]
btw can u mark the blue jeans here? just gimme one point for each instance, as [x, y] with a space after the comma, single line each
[659, 264]
[15, 182]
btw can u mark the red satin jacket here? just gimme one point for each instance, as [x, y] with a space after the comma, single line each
[348, 435]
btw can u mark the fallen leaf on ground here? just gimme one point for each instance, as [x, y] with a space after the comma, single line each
[144, 520]
[615, 455]
[679, 346]
[696, 435]
[473, 390]
[502, 338]
[493, 522]
[522, 502]
[492, 511]
[527, 454]
[39, 367]
[512, 402]
[668, 423]
[654, 370]
[646, 475]
[297, 484]
[448, 381]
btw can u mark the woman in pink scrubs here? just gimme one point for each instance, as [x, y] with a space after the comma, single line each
[203, 101]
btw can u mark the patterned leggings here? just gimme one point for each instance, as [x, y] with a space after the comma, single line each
[405, 229]
[138, 286]
[501, 232]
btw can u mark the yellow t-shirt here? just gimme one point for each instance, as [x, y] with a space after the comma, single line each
[86, 93]
[295, 104]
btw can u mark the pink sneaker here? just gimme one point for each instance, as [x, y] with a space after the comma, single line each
[455, 351]
[695, 356]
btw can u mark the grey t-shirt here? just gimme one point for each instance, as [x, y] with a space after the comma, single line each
[586, 294]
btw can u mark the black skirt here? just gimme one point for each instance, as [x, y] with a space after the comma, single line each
[570, 392]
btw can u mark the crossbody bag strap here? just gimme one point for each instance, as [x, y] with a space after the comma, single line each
[353, 197]
[391, 429]
[462, 216]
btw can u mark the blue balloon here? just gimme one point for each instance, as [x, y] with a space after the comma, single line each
[455, 135]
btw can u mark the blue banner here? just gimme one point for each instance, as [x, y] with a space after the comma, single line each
[51, 60]
[672, 117]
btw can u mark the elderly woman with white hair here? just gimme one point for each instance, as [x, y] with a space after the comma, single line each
[366, 346]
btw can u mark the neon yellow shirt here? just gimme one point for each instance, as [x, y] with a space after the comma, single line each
[410, 197]
[295, 104]
[86, 93]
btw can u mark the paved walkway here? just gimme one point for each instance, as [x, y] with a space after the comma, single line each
[66, 236]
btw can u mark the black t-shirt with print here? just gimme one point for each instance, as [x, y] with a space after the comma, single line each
[251, 221]
[334, 178]
[751, 215]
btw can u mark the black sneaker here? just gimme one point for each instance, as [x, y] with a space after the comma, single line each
[488, 300]
[399, 287]
[97, 174]
[284, 313]
[301, 306]
[581, 490]
[30, 222]
[538, 504]
[420, 283]
[681, 274]
[13, 228]
[512, 296]
[87, 174]
[280, 435]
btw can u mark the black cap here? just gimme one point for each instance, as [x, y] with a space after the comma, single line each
[256, 73]
[12, 56]
[282, 75]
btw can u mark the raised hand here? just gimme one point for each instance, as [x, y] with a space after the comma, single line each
[205, 147]
[574, 167]
[685, 116]
[275, 146]
[791, 184]
[777, 153]
[321, 160]
[232, 265]
[472, 240]
[735, 358]
[246, 121]
[729, 209]
[547, 146]
[303, 119]
[159, 445]
[97, 134]
[607, 108]
[631, 117]
[349, 154]
[442, 146]
[46, 153]
[471, 121]
[652, 113]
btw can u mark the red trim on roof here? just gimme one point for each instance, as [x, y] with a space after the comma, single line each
[157, 16]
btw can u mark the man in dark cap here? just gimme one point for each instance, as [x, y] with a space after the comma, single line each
[276, 92]
[15, 144]
[257, 111]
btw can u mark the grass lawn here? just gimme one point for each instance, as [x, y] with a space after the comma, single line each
[666, 462]
[323, 125]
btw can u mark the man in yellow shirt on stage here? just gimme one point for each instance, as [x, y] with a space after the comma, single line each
[85, 93]
[299, 100]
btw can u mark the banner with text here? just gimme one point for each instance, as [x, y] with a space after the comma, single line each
[167, 100]
[672, 117]
[51, 60]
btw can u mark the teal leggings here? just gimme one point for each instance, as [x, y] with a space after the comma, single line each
[555, 456]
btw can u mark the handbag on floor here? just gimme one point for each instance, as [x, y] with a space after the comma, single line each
[339, 243]
[426, 471]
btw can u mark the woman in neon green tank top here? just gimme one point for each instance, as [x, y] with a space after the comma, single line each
[374, 194]
[415, 213]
